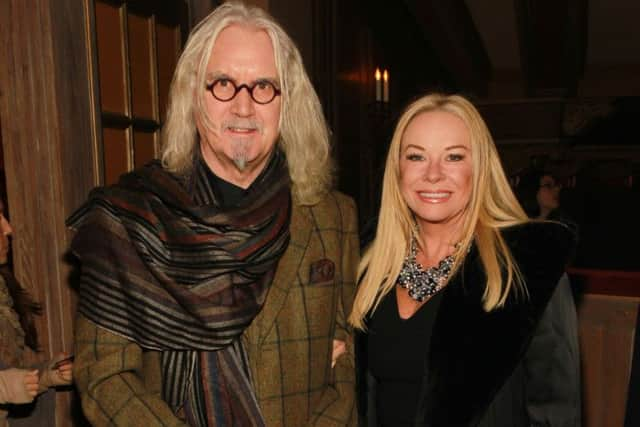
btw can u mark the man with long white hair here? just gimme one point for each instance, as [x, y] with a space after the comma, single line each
[215, 283]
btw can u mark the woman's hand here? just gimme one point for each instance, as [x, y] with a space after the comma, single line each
[18, 385]
[58, 372]
[339, 348]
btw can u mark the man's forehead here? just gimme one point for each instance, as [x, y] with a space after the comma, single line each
[240, 48]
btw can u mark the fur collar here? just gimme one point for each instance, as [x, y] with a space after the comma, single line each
[473, 352]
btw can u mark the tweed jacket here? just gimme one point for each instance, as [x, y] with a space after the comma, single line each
[289, 344]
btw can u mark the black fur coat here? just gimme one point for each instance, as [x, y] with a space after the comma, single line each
[516, 366]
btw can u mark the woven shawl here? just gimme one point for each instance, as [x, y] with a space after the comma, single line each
[164, 265]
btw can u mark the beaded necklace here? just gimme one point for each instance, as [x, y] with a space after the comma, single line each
[419, 283]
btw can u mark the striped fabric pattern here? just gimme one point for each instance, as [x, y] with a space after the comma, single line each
[166, 267]
[288, 344]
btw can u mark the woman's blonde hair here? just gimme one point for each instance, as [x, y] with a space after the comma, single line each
[492, 206]
[304, 137]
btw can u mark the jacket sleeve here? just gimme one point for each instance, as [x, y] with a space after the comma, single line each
[337, 406]
[117, 387]
[552, 364]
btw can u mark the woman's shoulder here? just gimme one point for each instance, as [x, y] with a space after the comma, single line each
[540, 245]
[541, 233]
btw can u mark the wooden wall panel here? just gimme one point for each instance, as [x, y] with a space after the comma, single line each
[607, 325]
[168, 48]
[110, 38]
[52, 104]
[144, 147]
[537, 119]
[1, 152]
[198, 9]
[150, 49]
[360, 126]
[117, 150]
[142, 66]
[264, 4]
[46, 104]
[297, 17]
[608, 81]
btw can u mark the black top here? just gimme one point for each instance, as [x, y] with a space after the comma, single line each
[228, 193]
[397, 350]
[516, 366]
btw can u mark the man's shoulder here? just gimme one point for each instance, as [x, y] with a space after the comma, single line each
[334, 200]
[134, 192]
[150, 181]
[333, 208]
[343, 199]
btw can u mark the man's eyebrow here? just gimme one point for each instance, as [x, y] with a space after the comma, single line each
[216, 75]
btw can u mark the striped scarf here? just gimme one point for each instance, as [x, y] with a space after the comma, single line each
[164, 265]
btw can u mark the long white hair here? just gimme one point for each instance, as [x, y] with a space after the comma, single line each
[304, 136]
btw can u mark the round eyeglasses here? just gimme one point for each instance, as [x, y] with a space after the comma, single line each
[262, 91]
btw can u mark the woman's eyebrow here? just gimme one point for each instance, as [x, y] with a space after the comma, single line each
[418, 147]
[453, 147]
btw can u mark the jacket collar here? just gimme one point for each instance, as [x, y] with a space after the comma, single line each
[301, 227]
[473, 352]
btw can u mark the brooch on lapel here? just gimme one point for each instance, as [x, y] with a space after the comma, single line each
[321, 271]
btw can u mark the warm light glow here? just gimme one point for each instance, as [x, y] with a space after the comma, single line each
[385, 88]
[378, 85]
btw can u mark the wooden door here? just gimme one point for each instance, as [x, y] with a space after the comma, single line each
[137, 46]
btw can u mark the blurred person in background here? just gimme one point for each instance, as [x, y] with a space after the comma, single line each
[21, 384]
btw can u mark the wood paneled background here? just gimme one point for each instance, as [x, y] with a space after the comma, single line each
[83, 87]
[46, 109]
[607, 328]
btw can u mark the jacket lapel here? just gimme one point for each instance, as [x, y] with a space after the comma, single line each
[473, 352]
[287, 270]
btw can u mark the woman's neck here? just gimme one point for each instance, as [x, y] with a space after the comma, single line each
[436, 245]
[544, 213]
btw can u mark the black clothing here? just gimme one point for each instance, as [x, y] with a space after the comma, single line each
[227, 193]
[514, 366]
[397, 351]
[161, 255]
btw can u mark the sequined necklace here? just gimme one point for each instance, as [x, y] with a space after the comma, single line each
[422, 284]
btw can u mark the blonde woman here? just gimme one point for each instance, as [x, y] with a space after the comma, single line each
[466, 316]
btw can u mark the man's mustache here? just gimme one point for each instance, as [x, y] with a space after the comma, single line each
[242, 124]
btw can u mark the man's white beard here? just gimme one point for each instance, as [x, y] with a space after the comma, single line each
[240, 153]
[240, 162]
